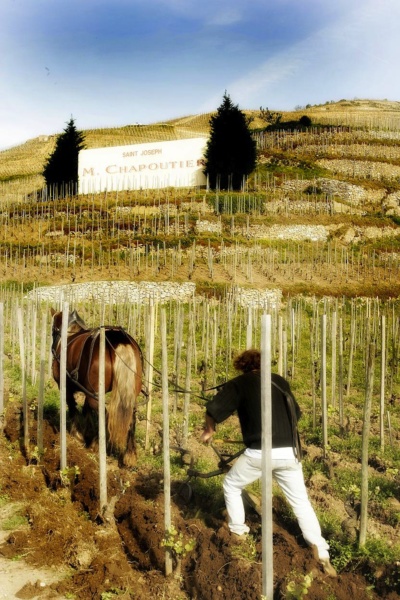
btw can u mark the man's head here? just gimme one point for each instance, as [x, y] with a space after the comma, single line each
[249, 360]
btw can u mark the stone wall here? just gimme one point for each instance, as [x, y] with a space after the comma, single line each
[266, 299]
[391, 205]
[115, 292]
[351, 151]
[347, 234]
[361, 169]
[209, 226]
[355, 195]
[314, 233]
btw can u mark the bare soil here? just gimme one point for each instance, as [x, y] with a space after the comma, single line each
[72, 551]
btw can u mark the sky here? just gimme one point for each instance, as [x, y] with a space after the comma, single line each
[108, 63]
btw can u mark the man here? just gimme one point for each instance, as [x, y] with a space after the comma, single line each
[243, 394]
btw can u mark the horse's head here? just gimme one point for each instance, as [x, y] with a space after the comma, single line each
[57, 319]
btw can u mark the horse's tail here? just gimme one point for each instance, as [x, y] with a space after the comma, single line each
[127, 380]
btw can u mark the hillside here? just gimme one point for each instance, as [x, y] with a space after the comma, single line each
[319, 215]
[21, 166]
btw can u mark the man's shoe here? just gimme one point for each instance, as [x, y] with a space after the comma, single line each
[327, 567]
[239, 539]
[239, 536]
[325, 563]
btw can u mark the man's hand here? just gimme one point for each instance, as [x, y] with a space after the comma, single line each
[207, 435]
[209, 429]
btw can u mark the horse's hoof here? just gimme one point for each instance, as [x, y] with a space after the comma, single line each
[132, 469]
[77, 435]
[93, 447]
[129, 461]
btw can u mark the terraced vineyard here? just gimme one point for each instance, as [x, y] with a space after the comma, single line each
[319, 215]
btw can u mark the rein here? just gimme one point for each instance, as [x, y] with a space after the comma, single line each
[178, 388]
[94, 333]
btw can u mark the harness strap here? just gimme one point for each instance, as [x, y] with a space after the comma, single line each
[73, 375]
[91, 333]
[83, 389]
[75, 370]
[94, 336]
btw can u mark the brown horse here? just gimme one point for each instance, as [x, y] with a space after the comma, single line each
[123, 378]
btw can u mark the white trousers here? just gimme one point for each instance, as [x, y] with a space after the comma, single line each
[288, 473]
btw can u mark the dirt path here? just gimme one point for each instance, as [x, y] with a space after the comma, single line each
[18, 579]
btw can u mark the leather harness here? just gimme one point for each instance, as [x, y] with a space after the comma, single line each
[92, 334]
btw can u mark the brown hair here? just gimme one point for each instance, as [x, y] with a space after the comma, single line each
[249, 360]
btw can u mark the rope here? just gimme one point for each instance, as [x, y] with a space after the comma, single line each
[173, 386]
[178, 388]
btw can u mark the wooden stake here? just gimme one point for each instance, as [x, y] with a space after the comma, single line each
[266, 446]
[365, 442]
[42, 376]
[280, 344]
[63, 388]
[149, 371]
[341, 415]
[25, 415]
[323, 386]
[249, 329]
[186, 402]
[352, 342]
[102, 423]
[1, 364]
[333, 381]
[383, 373]
[166, 452]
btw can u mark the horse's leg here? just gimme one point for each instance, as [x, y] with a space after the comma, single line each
[129, 457]
[69, 395]
[73, 414]
[90, 422]
[127, 454]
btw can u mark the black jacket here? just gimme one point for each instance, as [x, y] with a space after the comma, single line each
[243, 394]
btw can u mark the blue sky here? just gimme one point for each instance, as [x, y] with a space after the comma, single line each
[118, 62]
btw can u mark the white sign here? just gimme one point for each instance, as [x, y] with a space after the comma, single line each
[143, 166]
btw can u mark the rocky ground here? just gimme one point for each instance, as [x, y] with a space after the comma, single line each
[67, 549]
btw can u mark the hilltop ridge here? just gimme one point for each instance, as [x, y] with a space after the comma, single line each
[22, 165]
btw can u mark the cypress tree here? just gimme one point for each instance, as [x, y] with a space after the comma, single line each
[231, 151]
[61, 168]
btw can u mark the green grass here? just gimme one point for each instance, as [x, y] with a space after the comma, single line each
[4, 499]
[51, 405]
[283, 165]
[14, 522]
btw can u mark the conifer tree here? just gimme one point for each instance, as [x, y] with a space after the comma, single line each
[61, 168]
[231, 151]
